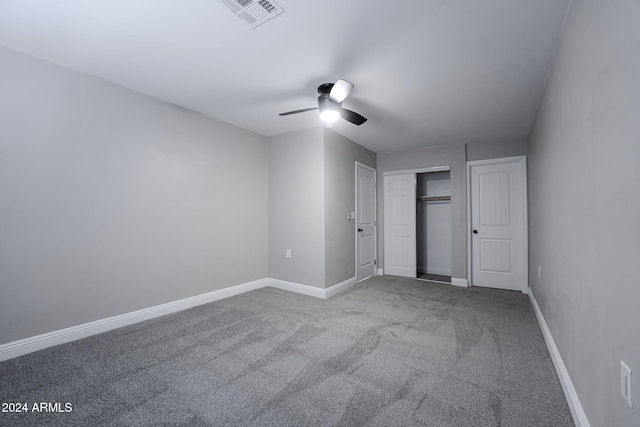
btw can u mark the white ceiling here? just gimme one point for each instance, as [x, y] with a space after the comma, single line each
[426, 72]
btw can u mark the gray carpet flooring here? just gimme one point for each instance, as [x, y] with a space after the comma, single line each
[386, 352]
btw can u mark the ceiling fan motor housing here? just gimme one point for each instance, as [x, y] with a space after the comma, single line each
[324, 102]
[325, 88]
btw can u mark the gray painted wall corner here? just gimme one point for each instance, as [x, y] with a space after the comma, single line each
[296, 207]
[340, 155]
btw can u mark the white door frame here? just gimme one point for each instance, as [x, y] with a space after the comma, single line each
[523, 160]
[375, 216]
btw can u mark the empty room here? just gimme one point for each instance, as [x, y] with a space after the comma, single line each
[336, 213]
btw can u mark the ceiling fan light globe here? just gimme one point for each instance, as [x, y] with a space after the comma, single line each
[329, 116]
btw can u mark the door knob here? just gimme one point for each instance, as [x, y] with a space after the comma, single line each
[475, 231]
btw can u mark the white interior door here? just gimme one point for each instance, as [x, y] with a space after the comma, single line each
[365, 215]
[498, 223]
[400, 225]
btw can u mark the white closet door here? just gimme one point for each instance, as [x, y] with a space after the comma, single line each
[400, 225]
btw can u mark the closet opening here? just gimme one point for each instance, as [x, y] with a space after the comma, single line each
[433, 226]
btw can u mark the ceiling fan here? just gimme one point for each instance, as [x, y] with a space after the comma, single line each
[330, 103]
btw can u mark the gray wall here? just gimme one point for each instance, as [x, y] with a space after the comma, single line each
[453, 156]
[340, 155]
[497, 149]
[311, 190]
[112, 201]
[296, 207]
[584, 192]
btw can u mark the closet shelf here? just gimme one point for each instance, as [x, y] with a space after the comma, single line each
[433, 199]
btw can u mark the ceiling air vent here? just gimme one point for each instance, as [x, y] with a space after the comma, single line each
[254, 13]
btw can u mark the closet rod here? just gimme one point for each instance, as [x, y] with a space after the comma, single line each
[433, 199]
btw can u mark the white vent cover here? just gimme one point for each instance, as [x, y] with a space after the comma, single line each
[254, 13]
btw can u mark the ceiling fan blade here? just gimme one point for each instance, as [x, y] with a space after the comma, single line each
[340, 90]
[298, 111]
[352, 116]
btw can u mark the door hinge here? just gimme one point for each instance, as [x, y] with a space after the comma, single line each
[375, 262]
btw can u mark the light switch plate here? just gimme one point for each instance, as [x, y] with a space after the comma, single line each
[625, 382]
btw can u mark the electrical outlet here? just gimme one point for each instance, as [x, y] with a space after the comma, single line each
[625, 382]
[288, 253]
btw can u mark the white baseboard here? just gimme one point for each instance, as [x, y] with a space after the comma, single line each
[49, 339]
[332, 290]
[297, 288]
[380, 272]
[579, 416]
[463, 283]
[312, 290]
[62, 336]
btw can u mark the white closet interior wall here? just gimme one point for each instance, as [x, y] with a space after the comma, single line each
[433, 223]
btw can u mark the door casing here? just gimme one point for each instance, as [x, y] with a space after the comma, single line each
[522, 161]
[357, 221]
